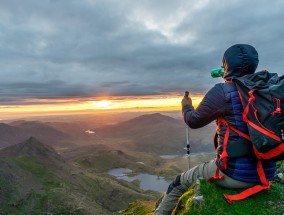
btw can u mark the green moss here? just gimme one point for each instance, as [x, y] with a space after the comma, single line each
[264, 203]
[140, 208]
[44, 176]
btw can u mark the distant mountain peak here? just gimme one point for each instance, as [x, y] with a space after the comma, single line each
[32, 142]
[18, 122]
[153, 114]
[31, 147]
[3, 125]
[30, 124]
[151, 118]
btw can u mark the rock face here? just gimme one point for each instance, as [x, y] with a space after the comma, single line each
[279, 176]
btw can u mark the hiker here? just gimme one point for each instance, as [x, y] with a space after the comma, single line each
[222, 101]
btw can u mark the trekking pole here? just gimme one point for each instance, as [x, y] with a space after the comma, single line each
[186, 93]
[187, 146]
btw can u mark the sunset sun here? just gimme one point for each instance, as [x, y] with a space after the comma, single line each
[103, 104]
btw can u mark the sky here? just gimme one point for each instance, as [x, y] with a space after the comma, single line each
[70, 55]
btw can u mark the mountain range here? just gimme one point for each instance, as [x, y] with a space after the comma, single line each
[155, 133]
[57, 168]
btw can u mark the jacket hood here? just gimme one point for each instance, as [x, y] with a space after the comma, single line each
[239, 60]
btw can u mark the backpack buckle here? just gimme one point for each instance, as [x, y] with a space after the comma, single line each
[278, 108]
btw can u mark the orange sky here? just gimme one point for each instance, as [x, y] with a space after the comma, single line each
[62, 107]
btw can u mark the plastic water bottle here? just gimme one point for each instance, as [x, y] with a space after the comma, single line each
[216, 73]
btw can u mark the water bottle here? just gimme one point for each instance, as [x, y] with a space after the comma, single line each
[216, 73]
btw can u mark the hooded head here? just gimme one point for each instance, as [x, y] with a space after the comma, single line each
[239, 60]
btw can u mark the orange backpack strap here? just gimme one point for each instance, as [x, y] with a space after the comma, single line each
[253, 190]
[224, 155]
[246, 193]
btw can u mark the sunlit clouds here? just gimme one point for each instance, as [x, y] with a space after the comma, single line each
[62, 107]
[62, 56]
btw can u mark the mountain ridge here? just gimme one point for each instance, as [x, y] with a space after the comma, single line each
[38, 151]
[10, 135]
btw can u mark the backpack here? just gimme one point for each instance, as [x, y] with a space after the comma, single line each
[262, 96]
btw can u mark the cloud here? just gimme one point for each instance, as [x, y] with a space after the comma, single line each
[42, 89]
[68, 48]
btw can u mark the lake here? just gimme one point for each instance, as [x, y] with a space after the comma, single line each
[147, 181]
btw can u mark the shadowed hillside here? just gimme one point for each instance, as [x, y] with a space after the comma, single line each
[11, 135]
[42, 132]
[21, 130]
[139, 125]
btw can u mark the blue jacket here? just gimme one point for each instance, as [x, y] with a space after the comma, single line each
[223, 101]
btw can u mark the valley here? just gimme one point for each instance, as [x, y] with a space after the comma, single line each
[57, 168]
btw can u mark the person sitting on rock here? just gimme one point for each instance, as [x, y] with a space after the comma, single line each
[222, 101]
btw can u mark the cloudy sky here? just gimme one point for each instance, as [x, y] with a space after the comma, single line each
[53, 51]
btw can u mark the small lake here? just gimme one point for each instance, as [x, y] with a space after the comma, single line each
[147, 181]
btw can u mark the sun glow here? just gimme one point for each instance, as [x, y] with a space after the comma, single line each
[158, 102]
[91, 105]
[103, 104]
